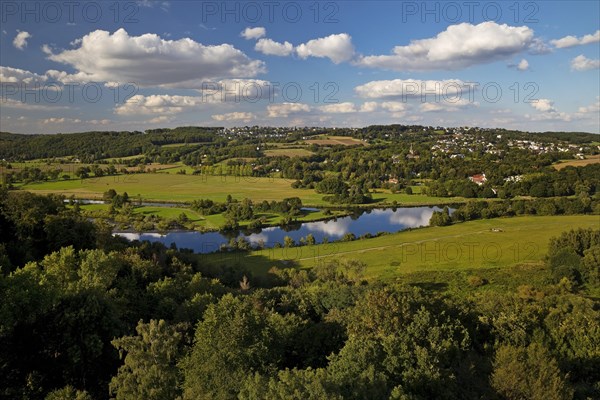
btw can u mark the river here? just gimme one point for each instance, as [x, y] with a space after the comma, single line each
[361, 223]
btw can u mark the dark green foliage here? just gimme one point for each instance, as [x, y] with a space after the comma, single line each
[590, 265]
[565, 263]
[529, 373]
[332, 185]
[574, 255]
[68, 393]
[239, 211]
[149, 370]
[96, 145]
[440, 218]
[207, 207]
[234, 337]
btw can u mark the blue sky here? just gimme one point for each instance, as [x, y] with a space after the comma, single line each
[140, 65]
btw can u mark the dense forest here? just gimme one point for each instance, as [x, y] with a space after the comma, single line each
[96, 145]
[88, 316]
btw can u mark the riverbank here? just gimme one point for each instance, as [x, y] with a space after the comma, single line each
[480, 244]
[172, 220]
[367, 223]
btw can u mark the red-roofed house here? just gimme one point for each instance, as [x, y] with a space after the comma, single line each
[479, 179]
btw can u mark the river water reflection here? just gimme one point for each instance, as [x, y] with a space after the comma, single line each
[361, 223]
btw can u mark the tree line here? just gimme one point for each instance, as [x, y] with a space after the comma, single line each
[86, 315]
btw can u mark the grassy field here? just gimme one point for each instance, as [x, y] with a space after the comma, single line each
[578, 163]
[474, 245]
[177, 168]
[110, 159]
[499, 280]
[288, 152]
[181, 188]
[326, 140]
[172, 187]
[163, 212]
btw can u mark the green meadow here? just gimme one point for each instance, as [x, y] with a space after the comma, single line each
[185, 188]
[474, 245]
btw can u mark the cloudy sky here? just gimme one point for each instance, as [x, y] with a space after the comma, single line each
[80, 66]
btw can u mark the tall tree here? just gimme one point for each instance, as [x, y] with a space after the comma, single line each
[529, 373]
[150, 363]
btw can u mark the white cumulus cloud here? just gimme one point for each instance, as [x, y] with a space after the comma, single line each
[16, 104]
[61, 120]
[338, 48]
[148, 60]
[237, 90]
[20, 41]
[339, 108]
[459, 46]
[543, 105]
[394, 106]
[273, 48]
[285, 109]
[157, 104]
[570, 41]
[582, 63]
[591, 109]
[16, 75]
[369, 106]
[406, 88]
[548, 112]
[66, 78]
[446, 106]
[253, 33]
[234, 116]
[523, 65]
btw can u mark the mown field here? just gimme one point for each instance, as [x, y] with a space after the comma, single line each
[578, 163]
[474, 245]
[327, 140]
[182, 188]
[288, 152]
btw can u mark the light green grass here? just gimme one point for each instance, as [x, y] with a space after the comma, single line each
[288, 152]
[94, 207]
[174, 170]
[169, 212]
[416, 198]
[500, 280]
[465, 246]
[109, 159]
[163, 212]
[169, 187]
[183, 188]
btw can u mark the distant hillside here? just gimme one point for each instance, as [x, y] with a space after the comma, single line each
[571, 137]
[90, 146]
[97, 145]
